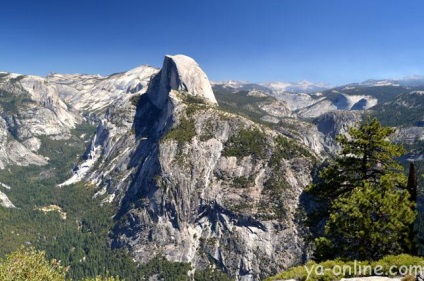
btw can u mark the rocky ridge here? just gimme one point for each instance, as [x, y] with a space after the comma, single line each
[31, 112]
[186, 191]
[5, 202]
[95, 93]
[182, 74]
[30, 108]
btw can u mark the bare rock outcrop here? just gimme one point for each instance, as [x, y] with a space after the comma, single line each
[197, 184]
[180, 73]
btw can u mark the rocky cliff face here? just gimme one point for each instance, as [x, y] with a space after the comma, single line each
[319, 136]
[31, 112]
[30, 108]
[197, 184]
[5, 202]
[182, 74]
[94, 93]
[334, 123]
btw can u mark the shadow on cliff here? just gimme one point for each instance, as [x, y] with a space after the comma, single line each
[315, 212]
[149, 126]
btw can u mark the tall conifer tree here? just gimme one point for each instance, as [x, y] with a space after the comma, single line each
[370, 213]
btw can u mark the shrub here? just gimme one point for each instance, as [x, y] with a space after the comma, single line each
[30, 265]
[183, 132]
[286, 148]
[396, 264]
[241, 182]
[246, 142]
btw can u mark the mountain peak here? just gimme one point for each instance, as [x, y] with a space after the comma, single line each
[180, 73]
[303, 86]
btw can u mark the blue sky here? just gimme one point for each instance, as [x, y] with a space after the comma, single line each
[337, 41]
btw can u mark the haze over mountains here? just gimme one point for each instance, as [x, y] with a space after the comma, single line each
[310, 100]
[210, 175]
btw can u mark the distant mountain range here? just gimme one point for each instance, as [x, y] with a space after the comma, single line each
[297, 87]
[310, 100]
[309, 87]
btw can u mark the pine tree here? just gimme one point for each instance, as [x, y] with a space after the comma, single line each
[412, 188]
[366, 155]
[369, 212]
[412, 183]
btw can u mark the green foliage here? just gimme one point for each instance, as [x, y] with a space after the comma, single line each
[371, 222]
[166, 270]
[275, 187]
[84, 131]
[30, 265]
[83, 243]
[208, 131]
[211, 274]
[318, 271]
[388, 266]
[35, 185]
[245, 143]
[194, 104]
[241, 182]
[406, 110]
[397, 116]
[242, 103]
[419, 232]
[242, 206]
[81, 240]
[370, 213]
[297, 273]
[255, 143]
[396, 262]
[183, 133]
[412, 185]
[11, 100]
[366, 155]
[286, 148]
[193, 99]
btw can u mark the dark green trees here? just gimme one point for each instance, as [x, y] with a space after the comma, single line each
[412, 186]
[370, 213]
[29, 264]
